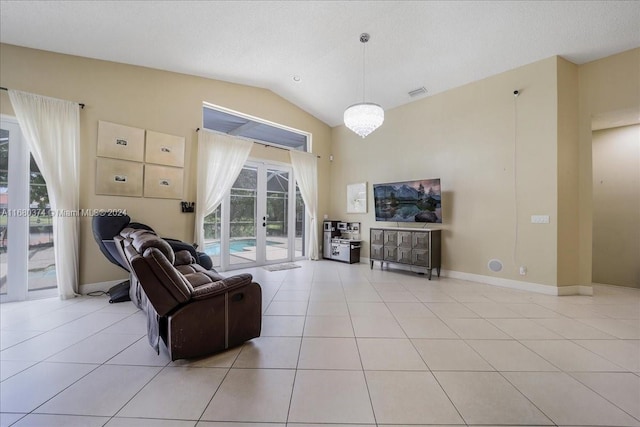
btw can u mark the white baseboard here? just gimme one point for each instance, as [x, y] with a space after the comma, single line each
[99, 286]
[520, 285]
[507, 283]
[575, 290]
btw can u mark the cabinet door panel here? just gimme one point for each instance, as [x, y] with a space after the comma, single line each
[404, 239]
[377, 252]
[390, 238]
[390, 253]
[420, 257]
[377, 237]
[421, 240]
[404, 255]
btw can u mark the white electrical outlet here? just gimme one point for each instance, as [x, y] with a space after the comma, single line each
[540, 219]
[523, 270]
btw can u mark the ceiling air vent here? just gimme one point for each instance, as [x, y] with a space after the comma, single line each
[417, 92]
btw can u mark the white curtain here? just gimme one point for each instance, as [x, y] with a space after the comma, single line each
[305, 169]
[220, 160]
[52, 130]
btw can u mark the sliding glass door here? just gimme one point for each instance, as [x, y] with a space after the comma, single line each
[27, 265]
[261, 221]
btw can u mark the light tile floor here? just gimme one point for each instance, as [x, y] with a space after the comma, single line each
[341, 344]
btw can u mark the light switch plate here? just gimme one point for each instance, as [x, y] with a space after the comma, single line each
[540, 219]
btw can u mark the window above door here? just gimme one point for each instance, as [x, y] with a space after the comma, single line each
[233, 123]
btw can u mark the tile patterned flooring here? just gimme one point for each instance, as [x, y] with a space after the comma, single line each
[340, 345]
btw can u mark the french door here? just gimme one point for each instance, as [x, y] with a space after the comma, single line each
[27, 265]
[261, 221]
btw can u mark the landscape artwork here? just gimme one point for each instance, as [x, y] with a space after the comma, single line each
[409, 201]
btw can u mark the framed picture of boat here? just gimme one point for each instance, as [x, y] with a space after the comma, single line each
[357, 198]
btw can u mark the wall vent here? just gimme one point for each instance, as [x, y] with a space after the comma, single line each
[495, 265]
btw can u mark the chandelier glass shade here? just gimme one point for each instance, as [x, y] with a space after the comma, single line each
[363, 118]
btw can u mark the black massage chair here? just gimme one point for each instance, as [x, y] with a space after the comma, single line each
[107, 226]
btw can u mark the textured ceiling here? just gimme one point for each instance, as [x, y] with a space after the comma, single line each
[436, 44]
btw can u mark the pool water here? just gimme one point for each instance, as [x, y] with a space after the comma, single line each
[213, 248]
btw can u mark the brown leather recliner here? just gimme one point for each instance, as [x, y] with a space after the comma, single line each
[195, 311]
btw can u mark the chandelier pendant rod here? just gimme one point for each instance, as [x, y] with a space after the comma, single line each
[364, 54]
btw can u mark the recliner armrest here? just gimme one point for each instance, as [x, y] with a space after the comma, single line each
[221, 286]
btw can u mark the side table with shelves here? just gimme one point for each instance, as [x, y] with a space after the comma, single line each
[418, 247]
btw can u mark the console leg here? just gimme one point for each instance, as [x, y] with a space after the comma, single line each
[371, 265]
[438, 271]
[430, 274]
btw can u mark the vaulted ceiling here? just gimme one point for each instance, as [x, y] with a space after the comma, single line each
[271, 44]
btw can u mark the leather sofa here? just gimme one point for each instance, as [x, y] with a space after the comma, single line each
[195, 311]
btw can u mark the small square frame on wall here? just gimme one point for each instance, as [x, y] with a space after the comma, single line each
[118, 177]
[164, 149]
[163, 182]
[120, 142]
[357, 198]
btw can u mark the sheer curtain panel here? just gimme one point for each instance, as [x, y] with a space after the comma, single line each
[52, 131]
[305, 169]
[220, 160]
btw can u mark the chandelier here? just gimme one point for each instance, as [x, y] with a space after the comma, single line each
[365, 117]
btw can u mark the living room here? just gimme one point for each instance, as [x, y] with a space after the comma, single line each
[501, 159]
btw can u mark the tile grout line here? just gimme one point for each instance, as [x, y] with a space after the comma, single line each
[603, 397]
[364, 374]
[427, 365]
[295, 372]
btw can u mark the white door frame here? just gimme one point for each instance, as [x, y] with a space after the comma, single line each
[291, 234]
[18, 215]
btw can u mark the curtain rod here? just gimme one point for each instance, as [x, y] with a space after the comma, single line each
[6, 90]
[250, 139]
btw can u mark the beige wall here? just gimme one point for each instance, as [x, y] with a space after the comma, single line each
[466, 137]
[616, 206]
[608, 86]
[150, 99]
[568, 174]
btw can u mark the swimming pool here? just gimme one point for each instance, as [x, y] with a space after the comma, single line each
[213, 248]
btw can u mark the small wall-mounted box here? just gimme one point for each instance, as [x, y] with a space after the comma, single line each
[540, 219]
[187, 207]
